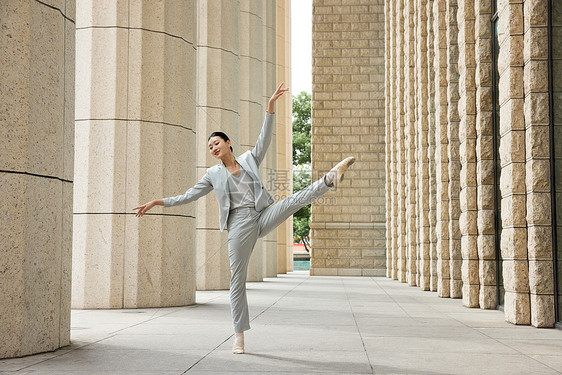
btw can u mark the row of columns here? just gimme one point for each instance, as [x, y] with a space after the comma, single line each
[440, 153]
[153, 79]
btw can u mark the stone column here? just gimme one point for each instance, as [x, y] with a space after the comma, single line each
[394, 168]
[388, 136]
[485, 157]
[218, 96]
[284, 131]
[538, 184]
[455, 256]
[467, 138]
[441, 141]
[410, 142]
[36, 175]
[512, 157]
[135, 136]
[269, 86]
[251, 108]
[431, 148]
[422, 118]
[400, 123]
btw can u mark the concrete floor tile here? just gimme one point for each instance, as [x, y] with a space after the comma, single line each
[111, 360]
[461, 363]
[441, 345]
[522, 333]
[536, 347]
[282, 361]
[302, 324]
[274, 338]
[552, 361]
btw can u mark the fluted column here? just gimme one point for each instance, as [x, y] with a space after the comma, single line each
[270, 163]
[135, 136]
[251, 104]
[218, 98]
[36, 175]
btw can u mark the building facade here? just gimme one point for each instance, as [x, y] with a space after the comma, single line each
[471, 145]
[471, 114]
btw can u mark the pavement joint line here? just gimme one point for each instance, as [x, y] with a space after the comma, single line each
[357, 327]
[111, 334]
[479, 331]
[512, 348]
[279, 299]
[389, 296]
[254, 318]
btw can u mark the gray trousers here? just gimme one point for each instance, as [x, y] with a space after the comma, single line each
[245, 226]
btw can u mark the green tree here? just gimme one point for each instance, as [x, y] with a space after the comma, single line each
[301, 218]
[301, 128]
[301, 163]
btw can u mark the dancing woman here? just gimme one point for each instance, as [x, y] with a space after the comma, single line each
[246, 208]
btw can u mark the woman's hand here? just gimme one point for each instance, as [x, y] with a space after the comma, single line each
[280, 91]
[147, 206]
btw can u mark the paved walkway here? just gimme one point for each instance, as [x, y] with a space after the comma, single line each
[303, 324]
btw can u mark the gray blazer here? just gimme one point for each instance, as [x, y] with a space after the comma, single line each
[216, 178]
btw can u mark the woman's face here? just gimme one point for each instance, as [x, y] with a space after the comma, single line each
[218, 147]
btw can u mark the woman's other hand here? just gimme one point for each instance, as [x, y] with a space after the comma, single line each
[280, 91]
[147, 206]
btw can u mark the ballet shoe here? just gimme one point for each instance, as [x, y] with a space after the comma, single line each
[238, 346]
[335, 175]
[237, 349]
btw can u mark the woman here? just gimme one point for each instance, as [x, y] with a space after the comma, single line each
[245, 207]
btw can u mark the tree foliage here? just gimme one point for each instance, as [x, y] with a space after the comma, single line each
[301, 128]
[301, 163]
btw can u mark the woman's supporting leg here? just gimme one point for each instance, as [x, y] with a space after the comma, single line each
[242, 236]
[277, 213]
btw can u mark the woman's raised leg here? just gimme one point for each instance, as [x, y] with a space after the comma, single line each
[277, 213]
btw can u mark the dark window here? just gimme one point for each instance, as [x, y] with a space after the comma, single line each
[555, 91]
[497, 169]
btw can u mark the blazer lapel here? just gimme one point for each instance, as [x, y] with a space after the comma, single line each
[247, 168]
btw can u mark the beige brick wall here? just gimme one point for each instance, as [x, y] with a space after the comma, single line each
[348, 118]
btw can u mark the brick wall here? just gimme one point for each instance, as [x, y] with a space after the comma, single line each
[348, 118]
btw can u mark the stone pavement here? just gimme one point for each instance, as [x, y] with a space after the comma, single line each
[302, 324]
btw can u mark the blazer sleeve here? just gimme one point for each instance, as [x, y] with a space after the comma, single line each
[200, 189]
[264, 139]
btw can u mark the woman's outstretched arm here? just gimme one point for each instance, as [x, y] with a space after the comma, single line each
[264, 139]
[200, 189]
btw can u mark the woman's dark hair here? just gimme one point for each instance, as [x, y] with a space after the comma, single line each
[221, 135]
